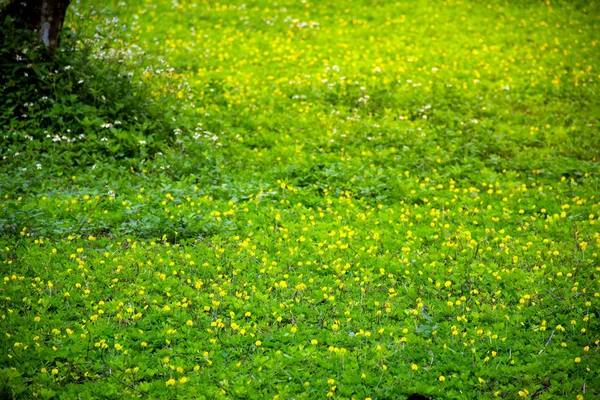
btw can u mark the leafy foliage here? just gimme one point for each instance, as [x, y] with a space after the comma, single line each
[85, 105]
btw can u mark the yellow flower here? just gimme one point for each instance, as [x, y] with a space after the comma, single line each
[170, 382]
[314, 341]
[414, 367]
[442, 378]
[258, 343]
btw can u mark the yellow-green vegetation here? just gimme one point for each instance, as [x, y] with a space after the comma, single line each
[303, 199]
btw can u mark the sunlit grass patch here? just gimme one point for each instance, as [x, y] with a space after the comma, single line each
[360, 200]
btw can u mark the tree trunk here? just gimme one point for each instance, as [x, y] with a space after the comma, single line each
[45, 17]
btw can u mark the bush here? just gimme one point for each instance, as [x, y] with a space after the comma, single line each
[85, 104]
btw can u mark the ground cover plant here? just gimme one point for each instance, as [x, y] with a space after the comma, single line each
[296, 199]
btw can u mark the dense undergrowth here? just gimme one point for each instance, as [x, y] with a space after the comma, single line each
[303, 199]
[91, 103]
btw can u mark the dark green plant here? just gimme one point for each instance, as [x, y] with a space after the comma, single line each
[85, 104]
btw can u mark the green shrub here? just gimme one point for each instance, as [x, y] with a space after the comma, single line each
[86, 103]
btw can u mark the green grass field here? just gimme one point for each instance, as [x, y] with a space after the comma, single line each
[290, 199]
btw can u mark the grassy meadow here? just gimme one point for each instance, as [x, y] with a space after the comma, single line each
[297, 199]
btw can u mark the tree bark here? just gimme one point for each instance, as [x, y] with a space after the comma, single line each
[45, 17]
